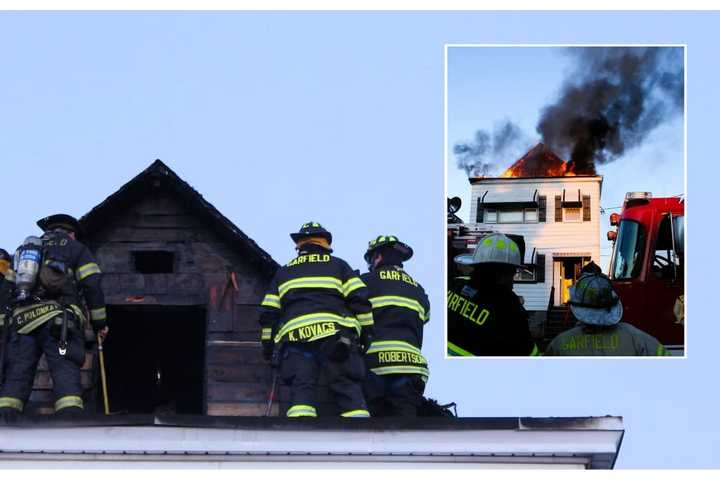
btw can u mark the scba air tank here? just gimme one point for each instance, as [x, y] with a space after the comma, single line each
[27, 259]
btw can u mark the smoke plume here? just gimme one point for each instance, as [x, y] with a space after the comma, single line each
[479, 157]
[612, 99]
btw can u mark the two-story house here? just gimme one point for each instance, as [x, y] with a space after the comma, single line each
[555, 211]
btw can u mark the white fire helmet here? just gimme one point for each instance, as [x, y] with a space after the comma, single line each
[495, 248]
[593, 300]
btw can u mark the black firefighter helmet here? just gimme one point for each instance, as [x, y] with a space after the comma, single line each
[4, 255]
[311, 229]
[389, 241]
[62, 220]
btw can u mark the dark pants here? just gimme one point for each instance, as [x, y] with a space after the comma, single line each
[21, 359]
[301, 367]
[394, 395]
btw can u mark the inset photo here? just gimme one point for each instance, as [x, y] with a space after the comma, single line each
[566, 185]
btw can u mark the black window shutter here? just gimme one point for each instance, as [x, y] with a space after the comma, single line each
[479, 214]
[558, 208]
[542, 208]
[540, 267]
[586, 208]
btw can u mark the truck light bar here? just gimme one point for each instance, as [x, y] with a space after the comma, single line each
[638, 197]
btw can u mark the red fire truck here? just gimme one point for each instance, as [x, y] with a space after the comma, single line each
[647, 266]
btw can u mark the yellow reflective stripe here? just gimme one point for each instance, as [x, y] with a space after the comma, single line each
[402, 369]
[272, 301]
[11, 402]
[398, 345]
[98, 314]
[301, 411]
[30, 326]
[2, 319]
[312, 318]
[310, 282]
[86, 270]
[266, 334]
[356, 414]
[397, 301]
[69, 401]
[456, 351]
[535, 352]
[352, 285]
[365, 319]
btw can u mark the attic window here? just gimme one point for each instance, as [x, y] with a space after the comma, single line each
[154, 261]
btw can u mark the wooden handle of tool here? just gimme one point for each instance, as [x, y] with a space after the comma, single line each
[103, 379]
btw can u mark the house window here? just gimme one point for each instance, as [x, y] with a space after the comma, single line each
[154, 261]
[531, 215]
[525, 273]
[510, 216]
[490, 216]
[572, 214]
[514, 215]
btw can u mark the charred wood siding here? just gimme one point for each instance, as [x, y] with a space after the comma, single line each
[208, 272]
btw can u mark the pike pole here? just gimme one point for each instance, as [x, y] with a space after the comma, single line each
[103, 378]
[275, 365]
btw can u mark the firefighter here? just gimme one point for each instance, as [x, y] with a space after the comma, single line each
[7, 284]
[315, 317]
[7, 281]
[600, 331]
[397, 369]
[48, 315]
[485, 317]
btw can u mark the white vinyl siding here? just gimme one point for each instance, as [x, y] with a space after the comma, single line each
[548, 237]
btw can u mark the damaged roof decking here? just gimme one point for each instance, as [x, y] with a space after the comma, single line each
[160, 174]
[538, 162]
[584, 442]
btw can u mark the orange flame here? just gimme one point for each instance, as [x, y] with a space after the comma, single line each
[540, 161]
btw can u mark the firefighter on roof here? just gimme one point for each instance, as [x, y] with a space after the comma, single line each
[600, 332]
[397, 370]
[53, 275]
[315, 317]
[485, 317]
[7, 281]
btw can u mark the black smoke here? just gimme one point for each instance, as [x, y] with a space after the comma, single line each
[613, 99]
[479, 156]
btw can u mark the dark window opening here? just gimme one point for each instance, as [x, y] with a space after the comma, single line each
[155, 359]
[154, 262]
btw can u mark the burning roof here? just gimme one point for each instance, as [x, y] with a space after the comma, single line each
[539, 161]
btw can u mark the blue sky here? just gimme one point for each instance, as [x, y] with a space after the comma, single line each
[282, 118]
[491, 84]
